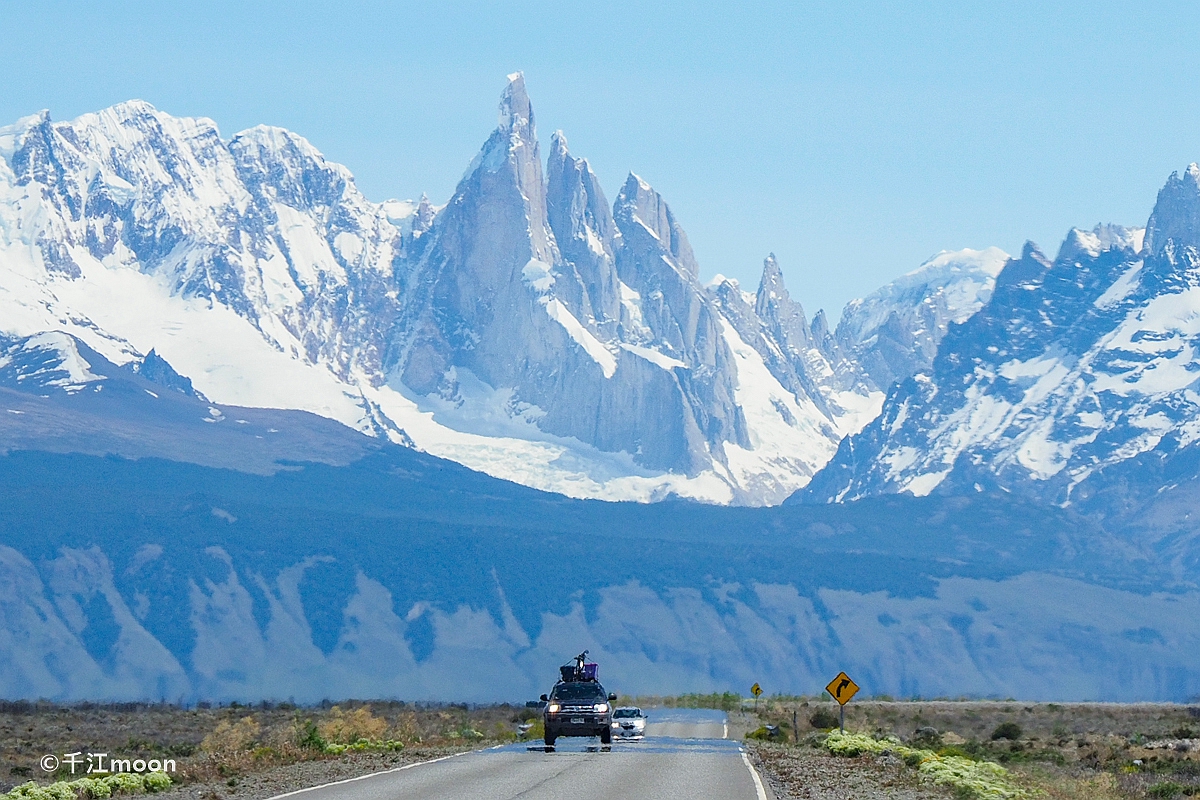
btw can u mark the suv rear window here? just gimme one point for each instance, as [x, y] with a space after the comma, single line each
[578, 691]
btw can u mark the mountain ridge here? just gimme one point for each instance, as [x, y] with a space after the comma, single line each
[1075, 377]
[525, 328]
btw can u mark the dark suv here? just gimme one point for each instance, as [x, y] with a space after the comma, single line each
[578, 708]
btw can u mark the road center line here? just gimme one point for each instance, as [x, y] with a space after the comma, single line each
[371, 775]
[758, 786]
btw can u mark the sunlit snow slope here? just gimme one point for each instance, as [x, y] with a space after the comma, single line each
[1076, 380]
[526, 329]
[256, 268]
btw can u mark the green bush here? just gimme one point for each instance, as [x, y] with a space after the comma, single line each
[1007, 730]
[94, 788]
[725, 701]
[125, 782]
[308, 736]
[91, 788]
[981, 780]
[62, 790]
[365, 745]
[768, 733]
[1166, 789]
[823, 719]
[926, 738]
[156, 782]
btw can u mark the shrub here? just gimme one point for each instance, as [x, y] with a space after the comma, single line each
[308, 735]
[823, 719]
[61, 790]
[94, 788]
[725, 701]
[1007, 730]
[124, 782]
[1166, 789]
[927, 738]
[984, 780]
[768, 733]
[348, 728]
[855, 744]
[156, 782]
[231, 737]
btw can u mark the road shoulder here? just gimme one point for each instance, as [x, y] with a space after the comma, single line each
[287, 778]
[791, 771]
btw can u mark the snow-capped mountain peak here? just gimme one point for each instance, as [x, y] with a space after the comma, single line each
[516, 112]
[525, 328]
[1077, 376]
[1103, 237]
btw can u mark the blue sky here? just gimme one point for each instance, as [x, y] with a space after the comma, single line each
[853, 139]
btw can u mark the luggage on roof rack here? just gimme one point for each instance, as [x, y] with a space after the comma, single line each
[579, 669]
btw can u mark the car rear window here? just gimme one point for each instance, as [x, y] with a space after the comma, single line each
[621, 713]
[578, 691]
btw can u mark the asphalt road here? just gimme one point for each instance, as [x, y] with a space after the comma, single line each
[684, 756]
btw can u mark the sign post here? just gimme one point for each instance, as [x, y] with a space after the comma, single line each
[842, 689]
[756, 690]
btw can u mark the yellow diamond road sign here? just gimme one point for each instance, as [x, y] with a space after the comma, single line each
[842, 688]
[756, 690]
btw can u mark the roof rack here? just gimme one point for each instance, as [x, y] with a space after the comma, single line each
[579, 669]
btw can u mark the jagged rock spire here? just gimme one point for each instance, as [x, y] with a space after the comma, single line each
[584, 230]
[1176, 215]
[516, 112]
[638, 205]
[772, 293]
[423, 219]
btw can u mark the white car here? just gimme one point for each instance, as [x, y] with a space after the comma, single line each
[629, 723]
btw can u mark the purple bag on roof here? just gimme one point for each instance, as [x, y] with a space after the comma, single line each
[589, 671]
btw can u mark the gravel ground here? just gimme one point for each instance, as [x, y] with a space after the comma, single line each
[290, 777]
[802, 772]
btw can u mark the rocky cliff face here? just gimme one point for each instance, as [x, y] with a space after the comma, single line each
[894, 332]
[187, 583]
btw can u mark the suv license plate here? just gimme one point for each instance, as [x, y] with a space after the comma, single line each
[576, 720]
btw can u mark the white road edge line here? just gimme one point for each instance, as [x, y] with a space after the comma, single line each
[758, 787]
[372, 775]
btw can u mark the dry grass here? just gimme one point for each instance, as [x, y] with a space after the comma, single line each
[1059, 784]
[971, 719]
[814, 774]
[226, 745]
[1098, 751]
[347, 727]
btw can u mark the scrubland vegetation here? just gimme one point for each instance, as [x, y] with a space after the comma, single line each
[224, 746]
[1000, 749]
